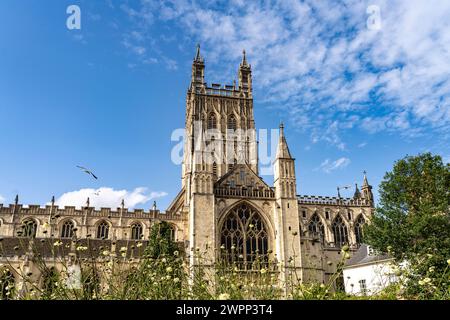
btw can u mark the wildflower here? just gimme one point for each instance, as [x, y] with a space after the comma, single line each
[263, 271]
[105, 253]
[224, 296]
[123, 249]
[139, 244]
[57, 243]
[169, 269]
[347, 255]
[448, 261]
[427, 280]
[81, 248]
[163, 260]
[176, 253]
[421, 282]
[233, 247]
[124, 254]
[345, 248]
[155, 284]
[429, 255]
[322, 286]
[222, 278]
[45, 225]
[431, 269]
[176, 280]
[222, 247]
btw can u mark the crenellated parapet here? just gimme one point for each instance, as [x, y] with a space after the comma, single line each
[333, 201]
[37, 210]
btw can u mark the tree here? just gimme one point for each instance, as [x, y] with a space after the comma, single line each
[161, 240]
[412, 220]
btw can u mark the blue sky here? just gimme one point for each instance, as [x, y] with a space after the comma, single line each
[109, 96]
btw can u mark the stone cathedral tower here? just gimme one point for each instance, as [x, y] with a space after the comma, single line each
[231, 213]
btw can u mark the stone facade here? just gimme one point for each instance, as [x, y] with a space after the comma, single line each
[224, 208]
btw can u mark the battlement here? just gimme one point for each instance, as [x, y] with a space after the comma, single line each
[36, 210]
[217, 89]
[333, 201]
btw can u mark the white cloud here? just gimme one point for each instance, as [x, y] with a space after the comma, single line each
[327, 166]
[108, 197]
[317, 61]
[2, 199]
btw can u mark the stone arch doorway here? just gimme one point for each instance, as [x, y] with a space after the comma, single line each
[244, 238]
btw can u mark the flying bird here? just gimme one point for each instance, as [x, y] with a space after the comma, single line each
[89, 172]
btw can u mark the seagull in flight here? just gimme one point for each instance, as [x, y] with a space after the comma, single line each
[89, 172]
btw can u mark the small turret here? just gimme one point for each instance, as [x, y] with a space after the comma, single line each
[366, 189]
[357, 194]
[245, 75]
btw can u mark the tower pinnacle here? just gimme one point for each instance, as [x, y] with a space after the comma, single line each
[283, 149]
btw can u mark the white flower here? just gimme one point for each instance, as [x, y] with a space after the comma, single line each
[105, 253]
[169, 269]
[222, 247]
[176, 280]
[123, 249]
[176, 253]
[139, 244]
[224, 296]
[263, 271]
[448, 261]
[57, 243]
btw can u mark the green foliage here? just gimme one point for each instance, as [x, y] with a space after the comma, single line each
[160, 241]
[412, 221]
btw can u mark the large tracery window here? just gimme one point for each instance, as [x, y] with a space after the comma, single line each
[244, 238]
[340, 231]
[103, 230]
[136, 231]
[67, 229]
[212, 123]
[29, 228]
[231, 122]
[358, 228]
[316, 227]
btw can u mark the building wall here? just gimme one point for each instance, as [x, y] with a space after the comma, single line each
[376, 275]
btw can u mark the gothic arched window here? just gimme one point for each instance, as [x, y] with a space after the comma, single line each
[231, 122]
[316, 227]
[340, 231]
[172, 233]
[244, 238]
[136, 231]
[103, 230]
[212, 122]
[29, 228]
[7, 284]
[214, 169]
[358, 228]
[67, 229]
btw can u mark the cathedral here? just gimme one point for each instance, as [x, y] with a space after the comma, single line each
[224, 209]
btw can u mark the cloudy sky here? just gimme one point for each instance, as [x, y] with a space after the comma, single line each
[358, 84]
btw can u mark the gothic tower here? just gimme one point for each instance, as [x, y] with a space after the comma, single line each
[219, 135]
[286, 214]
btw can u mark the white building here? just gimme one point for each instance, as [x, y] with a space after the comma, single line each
[367, 272]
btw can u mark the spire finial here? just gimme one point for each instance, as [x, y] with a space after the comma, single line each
[365, 182]
[244, 58]
[197, 55]
[154, 206]
[53, 201]
[123, 203]
[88, 203]
[16, 200]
